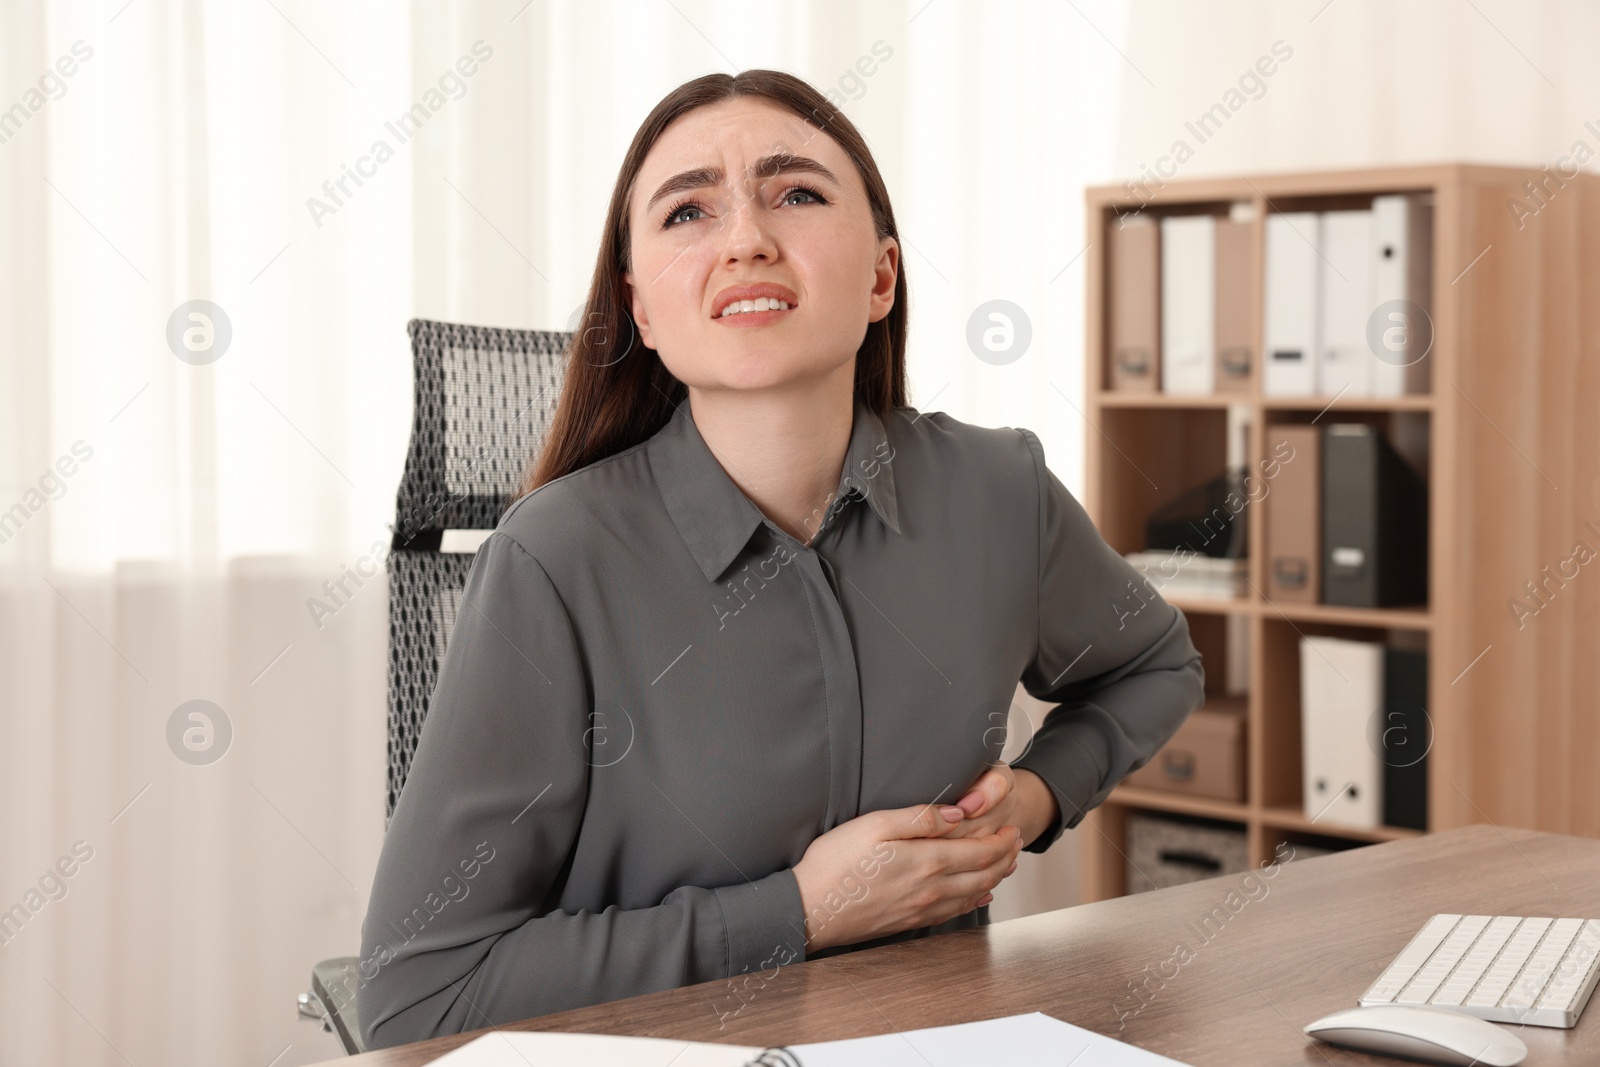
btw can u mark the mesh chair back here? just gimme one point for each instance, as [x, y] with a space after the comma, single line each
[484, 400]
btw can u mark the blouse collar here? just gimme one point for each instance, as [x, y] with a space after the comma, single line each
[714, 516]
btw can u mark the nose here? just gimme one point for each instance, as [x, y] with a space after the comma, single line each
[747, 234]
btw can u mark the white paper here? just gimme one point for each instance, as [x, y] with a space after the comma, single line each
[1016, 1039]
[507, 1048]
[1034, 1038]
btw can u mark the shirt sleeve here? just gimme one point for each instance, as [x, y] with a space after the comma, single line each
[1113, 655]
[462, 930]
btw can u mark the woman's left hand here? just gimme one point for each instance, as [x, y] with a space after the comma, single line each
[1003, 796]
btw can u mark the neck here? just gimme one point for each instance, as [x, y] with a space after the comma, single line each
[784, 448]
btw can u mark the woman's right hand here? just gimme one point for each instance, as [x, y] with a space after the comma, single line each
[891, 870]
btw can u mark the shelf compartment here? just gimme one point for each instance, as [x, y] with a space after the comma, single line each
[1279, 781]
[1153, 455]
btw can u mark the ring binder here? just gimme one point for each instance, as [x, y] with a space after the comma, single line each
[776, 1057]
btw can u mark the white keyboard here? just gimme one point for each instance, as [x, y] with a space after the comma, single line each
[1503, 968]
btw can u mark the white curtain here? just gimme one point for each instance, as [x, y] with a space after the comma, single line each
[166, 518]
[167, 506]
[1368, 83]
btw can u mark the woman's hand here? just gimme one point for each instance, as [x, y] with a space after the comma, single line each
[1004, 796]
[892, 870]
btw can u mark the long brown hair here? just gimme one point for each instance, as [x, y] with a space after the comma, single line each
[616, 392]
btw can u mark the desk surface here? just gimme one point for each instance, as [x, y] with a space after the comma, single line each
[1275, 955]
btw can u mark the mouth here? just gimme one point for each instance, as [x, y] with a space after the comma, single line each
[753, 304]
[761, 311]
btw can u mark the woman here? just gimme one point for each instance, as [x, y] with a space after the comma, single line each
[728, 687]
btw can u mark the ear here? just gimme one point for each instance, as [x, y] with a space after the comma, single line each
[884, 274]
[636, 308]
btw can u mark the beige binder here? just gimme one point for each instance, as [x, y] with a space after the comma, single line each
[1294, 515]
[1135, 275]
[1234, 322]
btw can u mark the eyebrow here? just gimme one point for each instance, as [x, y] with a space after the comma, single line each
[767, 167]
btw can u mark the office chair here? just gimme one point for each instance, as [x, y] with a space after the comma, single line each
[484, 400]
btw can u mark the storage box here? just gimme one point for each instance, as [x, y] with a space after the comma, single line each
[1167, 850]
[1205, 758]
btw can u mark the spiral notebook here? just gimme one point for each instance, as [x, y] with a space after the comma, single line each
[1031, 1038]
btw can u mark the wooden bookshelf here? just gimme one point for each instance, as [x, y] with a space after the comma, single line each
[1511, 447]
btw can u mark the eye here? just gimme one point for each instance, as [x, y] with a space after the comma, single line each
[808, 191]
[678, 208]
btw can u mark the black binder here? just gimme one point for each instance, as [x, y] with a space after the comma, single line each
[1405, 739]
[1201, 521]
[1374, 521]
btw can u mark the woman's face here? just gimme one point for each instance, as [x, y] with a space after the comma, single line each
[713, 210]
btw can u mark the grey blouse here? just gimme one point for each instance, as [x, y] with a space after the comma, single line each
[654, 699]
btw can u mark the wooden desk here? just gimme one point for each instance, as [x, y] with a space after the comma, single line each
[1284, 951]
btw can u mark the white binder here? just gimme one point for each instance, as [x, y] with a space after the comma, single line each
[1345, 363]
[1402, 269]
[1289, 362]
[1341, 689]
[1188, 304]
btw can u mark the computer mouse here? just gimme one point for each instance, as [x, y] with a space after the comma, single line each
[1434, 1035]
